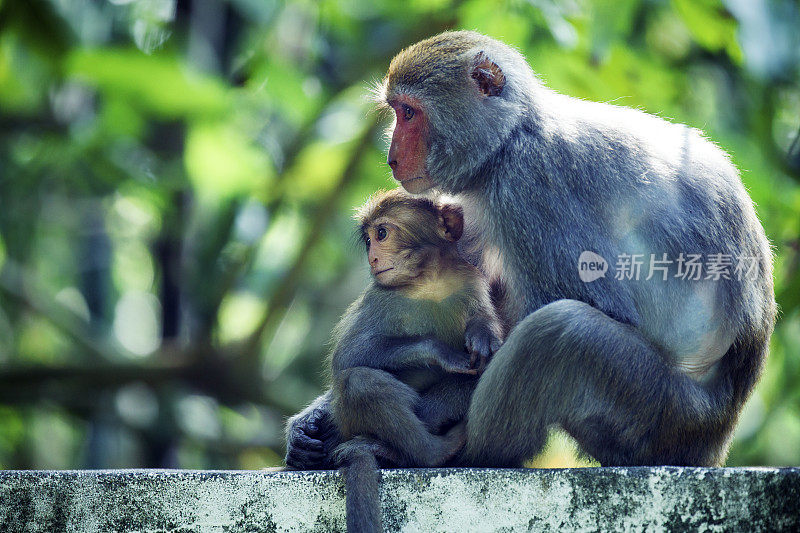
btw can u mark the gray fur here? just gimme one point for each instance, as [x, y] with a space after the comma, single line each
[639, 372]
[401, 376]
[400, 372]
[563, 176]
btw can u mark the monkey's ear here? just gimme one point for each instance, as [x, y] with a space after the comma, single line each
[488, 75]
[452, 222]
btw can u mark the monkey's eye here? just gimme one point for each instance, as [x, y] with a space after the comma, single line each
[408, 112]
[366, 242]
[381, 233]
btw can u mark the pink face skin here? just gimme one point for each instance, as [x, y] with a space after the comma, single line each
[378, 254]
[409, 145]
[383, 255]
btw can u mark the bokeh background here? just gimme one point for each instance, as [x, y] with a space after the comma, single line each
[177, 180]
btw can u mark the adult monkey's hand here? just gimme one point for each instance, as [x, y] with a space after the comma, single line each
[311, 435]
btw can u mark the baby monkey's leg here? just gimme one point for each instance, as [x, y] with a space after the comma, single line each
[374, 403]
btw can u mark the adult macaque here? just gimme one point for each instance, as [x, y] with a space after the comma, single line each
[407, 352]
[639, 371]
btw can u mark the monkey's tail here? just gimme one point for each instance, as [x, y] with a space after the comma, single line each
[362, 486]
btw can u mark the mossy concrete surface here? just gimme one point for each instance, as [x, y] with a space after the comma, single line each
[461, 500]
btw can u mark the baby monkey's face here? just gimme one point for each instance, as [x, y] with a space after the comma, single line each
[410, 240]
[392, 262]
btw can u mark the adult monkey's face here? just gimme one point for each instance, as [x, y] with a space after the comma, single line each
[438, 90]
[409, 149]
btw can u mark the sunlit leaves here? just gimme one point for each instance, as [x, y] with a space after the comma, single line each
[40, 342]
[133, 266]
[119, 117]
[622, 78]
[238, 316]
[55, 437]
[710, 25]
[221, 162]
[315, 171]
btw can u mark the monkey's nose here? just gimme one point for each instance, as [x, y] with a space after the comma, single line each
[392, 164]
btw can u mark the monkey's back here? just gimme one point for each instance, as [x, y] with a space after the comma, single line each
[622, 183]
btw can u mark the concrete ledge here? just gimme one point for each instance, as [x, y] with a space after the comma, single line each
[663, 498]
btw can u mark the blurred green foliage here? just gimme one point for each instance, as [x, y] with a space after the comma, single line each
[177, 179]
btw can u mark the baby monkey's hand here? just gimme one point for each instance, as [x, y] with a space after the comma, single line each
[481, 342]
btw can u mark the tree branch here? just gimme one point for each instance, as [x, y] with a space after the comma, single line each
[18, 286]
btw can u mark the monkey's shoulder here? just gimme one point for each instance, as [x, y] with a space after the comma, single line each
[392, 313]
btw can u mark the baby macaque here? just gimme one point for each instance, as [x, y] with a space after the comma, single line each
[407, 354]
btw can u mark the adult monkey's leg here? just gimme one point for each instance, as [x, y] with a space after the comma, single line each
[570, 364]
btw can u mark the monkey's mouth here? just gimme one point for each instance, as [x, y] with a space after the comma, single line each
[382, 271]
[417, 184]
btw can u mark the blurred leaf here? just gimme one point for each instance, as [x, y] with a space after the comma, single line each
[24, 76]
[39, 342]
[497, 19]
[156, 83]
[238, 316]
[55, 438]
[710, 25]
[12, 435]
[611, 21]
[667, 35]
[222, 163]
[287, 341]
[315, 172]
[120, 118]
[624, 78]
[293, 94]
